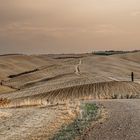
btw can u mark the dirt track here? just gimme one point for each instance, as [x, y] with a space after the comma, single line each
[123, 122]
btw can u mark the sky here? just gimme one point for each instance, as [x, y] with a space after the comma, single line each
[68, 26]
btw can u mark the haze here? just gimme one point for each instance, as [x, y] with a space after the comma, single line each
[68, 26]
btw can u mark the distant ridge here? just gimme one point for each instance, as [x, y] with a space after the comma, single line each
[78, 55]
[113, 52]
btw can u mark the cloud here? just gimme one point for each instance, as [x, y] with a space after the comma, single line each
[68, 24]
[109, 29]
[135, 13]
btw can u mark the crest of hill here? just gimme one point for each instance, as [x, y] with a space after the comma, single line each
[14, 64]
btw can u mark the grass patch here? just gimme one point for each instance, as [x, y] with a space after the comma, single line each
[75, 129]
[4, 101]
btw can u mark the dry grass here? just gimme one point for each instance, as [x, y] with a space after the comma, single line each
[5, 89]
[104, 90]
[4, 115]
[4, 102]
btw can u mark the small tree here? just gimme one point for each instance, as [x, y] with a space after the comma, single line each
[132, 76]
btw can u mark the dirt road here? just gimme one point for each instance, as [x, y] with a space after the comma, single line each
[123, 122]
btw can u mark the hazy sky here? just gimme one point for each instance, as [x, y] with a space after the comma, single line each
[65, 26]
